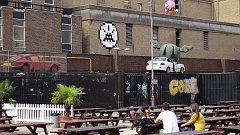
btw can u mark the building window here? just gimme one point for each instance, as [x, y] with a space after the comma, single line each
[1, 33]
[99, 2]
[129, 34]
[177, 6]
[127, 4]
[49, 5]
[26, 3]
[155, 33]
[205, 40]
[178, 38]
[153, 5]
[139, 6]
[66, 34]
[19, 31]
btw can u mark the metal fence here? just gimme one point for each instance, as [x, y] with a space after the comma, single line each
[36, 88]
[181, 88]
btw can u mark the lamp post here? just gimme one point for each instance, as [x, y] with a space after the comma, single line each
[117, 70]
[152, 72]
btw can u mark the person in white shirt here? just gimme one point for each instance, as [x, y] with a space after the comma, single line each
[168, 118]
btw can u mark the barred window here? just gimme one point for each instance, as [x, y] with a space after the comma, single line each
[178, 37]
[205, 40]
[129, 34]
[177, 6]
[66, 34]
[155, 33]
[19, 30]
[127, 4]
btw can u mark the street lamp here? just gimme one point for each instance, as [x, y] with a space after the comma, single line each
[152, 74]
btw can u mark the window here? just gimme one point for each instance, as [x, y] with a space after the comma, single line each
[153, 5]
[127, 3]
[205, 40]
[177, 6]
[49, 5]
[178, 38]
[1, 34]
[66, 34]
[19, 30]
[100, 2]
[129, 34]
[139, 6]
[26, 3]
[155, 33]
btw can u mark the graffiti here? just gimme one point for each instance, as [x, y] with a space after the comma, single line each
[142, 89]
[128, 87]
[188, 86]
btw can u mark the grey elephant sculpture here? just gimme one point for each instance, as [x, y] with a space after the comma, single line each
[171, 50]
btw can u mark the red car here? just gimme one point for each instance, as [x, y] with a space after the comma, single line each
[32, 62]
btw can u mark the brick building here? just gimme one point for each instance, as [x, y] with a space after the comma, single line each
[73, 26]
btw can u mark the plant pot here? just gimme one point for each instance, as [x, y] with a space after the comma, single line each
[64, 118]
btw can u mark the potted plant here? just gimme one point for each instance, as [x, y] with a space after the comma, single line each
[67, 95]
[6, 89]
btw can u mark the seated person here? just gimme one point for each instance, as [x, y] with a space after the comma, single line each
[168, 118]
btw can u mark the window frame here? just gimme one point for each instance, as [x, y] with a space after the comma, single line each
[47, 6]
[26, 2]
[155, 33]
[66, 24]
[205, 40]
[17, 26]
[178, 37]
[129, 27]
[178, 6]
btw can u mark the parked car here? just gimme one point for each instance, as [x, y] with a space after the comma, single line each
[165, 64]
[31, 62]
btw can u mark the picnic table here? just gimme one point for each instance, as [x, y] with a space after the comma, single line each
[176, 106]
[191, 133]
[230, 129]
[82, 111]
[123, 113]
[94, 122]
[227, 112]
[235, 105]
[214, 121]
[214, 107]
[32, 127]
[228, 102]
[85, 130]
[188, 114]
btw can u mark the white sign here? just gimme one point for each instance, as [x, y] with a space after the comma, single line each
[108, 35]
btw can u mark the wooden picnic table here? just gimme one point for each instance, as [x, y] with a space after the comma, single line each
[236, 105]
[176, 106]
[32, 127]
[221, 121]
[83, 111]
[85, 130]
[191, 133]
[94, 122]
[214, 107]
[228, 102]
[188, 114]
[230, 129]
[227, 112]
[123, 113]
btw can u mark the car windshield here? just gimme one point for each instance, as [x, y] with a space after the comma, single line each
[159, 59]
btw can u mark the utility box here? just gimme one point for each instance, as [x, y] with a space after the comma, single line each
[55, 119]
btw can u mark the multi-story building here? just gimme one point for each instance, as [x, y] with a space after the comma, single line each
[47, 25]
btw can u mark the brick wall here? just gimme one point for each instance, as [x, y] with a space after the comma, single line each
[137, 64]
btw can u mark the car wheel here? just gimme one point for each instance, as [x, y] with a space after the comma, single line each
[168, 70]
[181, 70]
[54, 69]
[25, 68]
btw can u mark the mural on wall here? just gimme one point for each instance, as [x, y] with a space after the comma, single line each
[170, 7]
[142, 88]
[108, 35]
[188, 86]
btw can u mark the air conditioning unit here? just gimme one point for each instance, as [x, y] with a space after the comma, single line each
[3, 2]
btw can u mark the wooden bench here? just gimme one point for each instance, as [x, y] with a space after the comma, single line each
[230, 129]
[86, 130]
[32, 127]
[192, 133]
